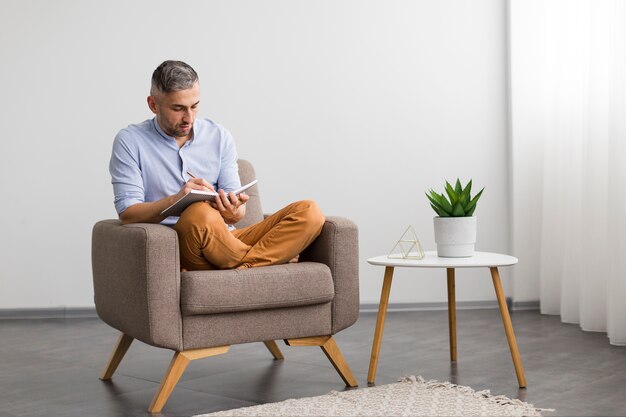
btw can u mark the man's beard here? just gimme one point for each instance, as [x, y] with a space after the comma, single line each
[178, 131]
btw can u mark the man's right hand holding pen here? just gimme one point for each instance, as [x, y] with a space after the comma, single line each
[230, 206]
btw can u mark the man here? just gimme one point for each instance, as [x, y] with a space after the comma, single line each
[156, 162]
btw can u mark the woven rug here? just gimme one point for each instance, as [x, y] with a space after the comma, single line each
[410, 396]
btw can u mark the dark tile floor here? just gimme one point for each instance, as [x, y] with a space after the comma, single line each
[50, 367]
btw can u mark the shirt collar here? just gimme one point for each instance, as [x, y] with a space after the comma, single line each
[171, 138]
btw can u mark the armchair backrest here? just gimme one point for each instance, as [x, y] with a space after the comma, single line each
[254, 212]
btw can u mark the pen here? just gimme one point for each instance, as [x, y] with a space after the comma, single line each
[193, 176]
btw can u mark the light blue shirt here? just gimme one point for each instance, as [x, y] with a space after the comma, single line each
[147, 165]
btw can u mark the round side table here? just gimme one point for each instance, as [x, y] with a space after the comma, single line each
[431, 260]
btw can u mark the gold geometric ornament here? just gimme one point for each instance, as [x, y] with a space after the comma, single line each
[408, 245]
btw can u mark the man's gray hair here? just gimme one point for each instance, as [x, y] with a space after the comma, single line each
[172, 76]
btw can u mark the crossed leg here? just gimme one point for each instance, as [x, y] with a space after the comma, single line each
[206, 242]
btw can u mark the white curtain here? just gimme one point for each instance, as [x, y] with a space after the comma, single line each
[568, 78]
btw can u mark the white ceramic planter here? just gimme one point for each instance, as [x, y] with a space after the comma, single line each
[455, 236]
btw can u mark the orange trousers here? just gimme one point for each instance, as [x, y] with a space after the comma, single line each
[206, 243]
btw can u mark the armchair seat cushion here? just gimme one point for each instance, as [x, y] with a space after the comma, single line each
[227, 291]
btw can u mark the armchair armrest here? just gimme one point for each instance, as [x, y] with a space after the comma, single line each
[136, 278]
[338, 247]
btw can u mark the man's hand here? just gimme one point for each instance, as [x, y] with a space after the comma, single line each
[151, 212]
[194, 184]
[231, 207]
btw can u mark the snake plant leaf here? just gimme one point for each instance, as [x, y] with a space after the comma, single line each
[471, 206]
[451, 194]
[440, 212]
[463, 200]
[465, 194]
[445, 204]
[468, 188]
[469, 209]
[440, 204]
[435, 201]
[458, 211]
[459, 202]
[457, 188]
[433, 196]
[477, 196]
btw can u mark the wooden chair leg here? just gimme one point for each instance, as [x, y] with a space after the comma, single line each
[175, 371]
[330, 348]
[274, 349]
[120, 349]
[335, 356]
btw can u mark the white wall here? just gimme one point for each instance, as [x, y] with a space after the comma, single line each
[361, 105]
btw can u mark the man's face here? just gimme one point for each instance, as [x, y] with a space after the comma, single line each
[176, 111]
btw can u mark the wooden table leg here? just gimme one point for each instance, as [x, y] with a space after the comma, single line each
[508, 327]
[380, 323]
[452, 313]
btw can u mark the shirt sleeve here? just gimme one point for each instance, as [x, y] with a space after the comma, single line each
[126, 176]
[228, 178]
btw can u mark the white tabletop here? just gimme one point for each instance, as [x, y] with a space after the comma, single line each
[431, 260]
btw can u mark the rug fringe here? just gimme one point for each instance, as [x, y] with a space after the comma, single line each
[498, 399]
[410, 396]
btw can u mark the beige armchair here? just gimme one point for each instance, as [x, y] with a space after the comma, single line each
[140, 291]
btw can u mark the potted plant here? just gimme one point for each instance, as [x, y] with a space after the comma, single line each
[455, 224]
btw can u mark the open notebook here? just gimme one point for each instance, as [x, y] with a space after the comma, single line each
[197, 195]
